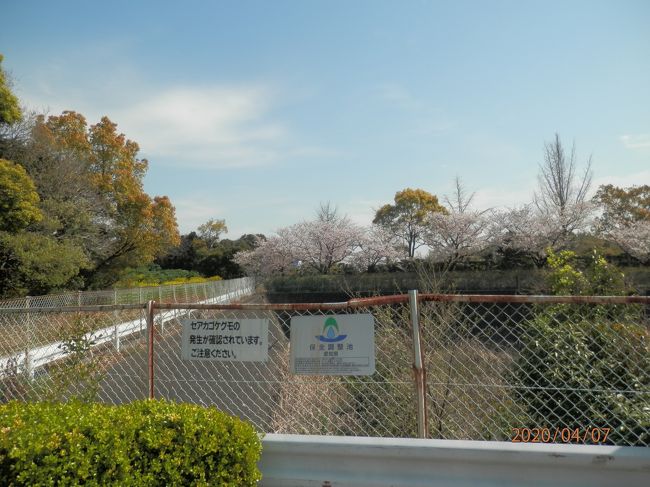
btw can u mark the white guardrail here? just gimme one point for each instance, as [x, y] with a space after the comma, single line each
[45, 354]
[333, 461]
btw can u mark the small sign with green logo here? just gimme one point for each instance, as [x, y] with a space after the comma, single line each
[333, 345]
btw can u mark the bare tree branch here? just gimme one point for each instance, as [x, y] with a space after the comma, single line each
[562, 195]
[459, 200]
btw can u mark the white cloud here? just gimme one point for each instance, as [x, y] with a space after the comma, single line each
[242, 216]
[211, 127]
[361, 212]
[622, 180]
[194, 211]
[502, 198]
[640, 141]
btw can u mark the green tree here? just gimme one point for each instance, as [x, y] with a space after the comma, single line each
[18, 198]
[185, 255]
[211, 231]
[9, 107]
[220, 260]
[584, 365]
[406, 217]
[193, 254]
[36, 263]
[127, 227]
[598, 278]
[622, 206]
[85, 198]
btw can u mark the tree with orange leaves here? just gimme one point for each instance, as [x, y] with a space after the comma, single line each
[406, 218]
[90, 181]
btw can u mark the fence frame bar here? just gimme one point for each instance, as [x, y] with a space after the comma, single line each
[419, 370]
[534, 299]
[404, 298]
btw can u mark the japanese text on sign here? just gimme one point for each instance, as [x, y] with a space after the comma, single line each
[243, 340]
[333, 345]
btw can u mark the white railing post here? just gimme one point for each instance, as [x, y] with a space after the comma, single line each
[116, 337]
[29, 360]
[150, 349]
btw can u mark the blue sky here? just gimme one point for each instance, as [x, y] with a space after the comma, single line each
[257, 111]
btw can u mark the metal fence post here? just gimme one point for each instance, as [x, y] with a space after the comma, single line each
[418, 366]
[150, 347]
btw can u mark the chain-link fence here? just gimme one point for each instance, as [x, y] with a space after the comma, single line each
[516, 368]
[55, 347]
[526, 369]
[174, 293]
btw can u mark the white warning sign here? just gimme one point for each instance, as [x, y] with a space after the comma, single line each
[225, 339]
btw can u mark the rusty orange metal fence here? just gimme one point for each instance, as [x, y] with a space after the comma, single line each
[570, 369]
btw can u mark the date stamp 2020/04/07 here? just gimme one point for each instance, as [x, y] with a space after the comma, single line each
[588, 435]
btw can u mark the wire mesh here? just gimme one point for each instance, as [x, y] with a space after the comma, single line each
[570, 372]
[576, 373]
[176, 293]
[75, 345]
[563, 372]
[62, 355]
[276, 400]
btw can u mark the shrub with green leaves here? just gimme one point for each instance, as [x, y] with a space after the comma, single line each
[146, 443]
[586, 373]
[584, 366]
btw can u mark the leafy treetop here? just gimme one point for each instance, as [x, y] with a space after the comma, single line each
[9, 107]
[18, 198]
[406, 217]
[623, 206]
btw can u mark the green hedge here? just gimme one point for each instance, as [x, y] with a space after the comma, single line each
[144, 443]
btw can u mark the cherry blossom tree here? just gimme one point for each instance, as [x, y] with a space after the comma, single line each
[377, 246]
[456, 236]
[271, 256]
[526, 230]
[634, 238]
[324, 243]
[459, 232]
[319, 245]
